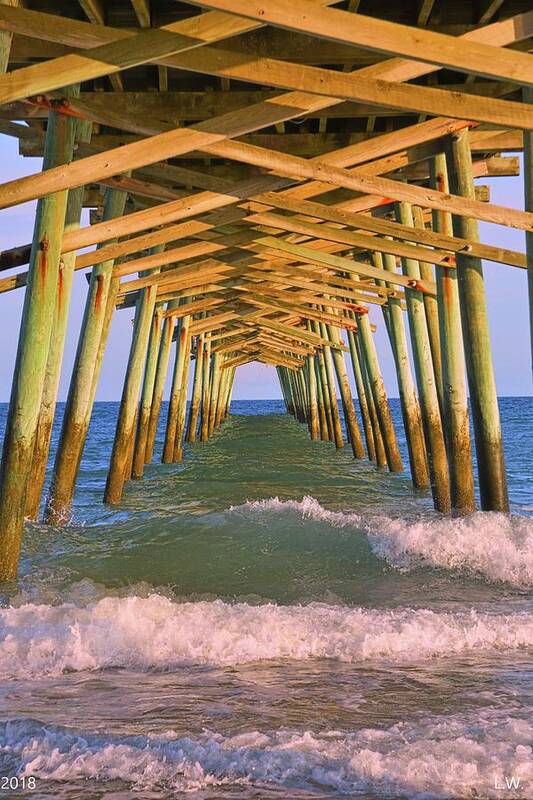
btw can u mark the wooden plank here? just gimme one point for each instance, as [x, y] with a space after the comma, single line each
[488, 10]
[94, 11]
[319, 170]
[406, 69]
[342, 264]
[175, 107]
[425, 7]
[357, 87]
[384, 36]
[348, 237]
[142, 12]
[156, 148]
[387, 228]
[126, 49]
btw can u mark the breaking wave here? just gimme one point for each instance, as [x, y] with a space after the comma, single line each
[156, 632]
[496, 546]
[437, 757]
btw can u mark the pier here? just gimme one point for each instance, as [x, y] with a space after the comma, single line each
[262, 174]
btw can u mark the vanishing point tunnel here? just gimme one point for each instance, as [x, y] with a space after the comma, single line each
[260, 174]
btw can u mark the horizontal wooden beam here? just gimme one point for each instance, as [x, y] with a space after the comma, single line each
[384, 36]
[118, 49]
[385, 227]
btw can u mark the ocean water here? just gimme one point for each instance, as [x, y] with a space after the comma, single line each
[271, 619]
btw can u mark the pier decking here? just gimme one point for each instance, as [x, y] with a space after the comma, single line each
[260, 174]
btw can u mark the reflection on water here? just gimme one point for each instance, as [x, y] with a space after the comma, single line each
[271, 620]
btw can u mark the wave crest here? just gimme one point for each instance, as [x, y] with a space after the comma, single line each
[497, 546]
[455, 756]
[157, 632]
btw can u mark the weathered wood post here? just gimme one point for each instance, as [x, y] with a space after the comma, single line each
[313, 404]
[194, 409]
[220, 393]
[5, 39]
[379, 394]
[215, 384]
[45, 424]
[36, 328]
[182, 355]
[293, 394]
[457, 427]
[182, 400]
[431, 308]
[350, 418]
[323, 378]
[481, 382]
[412, 419]
[160, 380]
[147, 394]
[85, 373]
[528, 196]
[230, 392]
[285, 390]
[302, 387]
[361, 396]
[127, 415]
[334, 406]
[204, 423]
[381, 456]
[324, 429]
[425, 377]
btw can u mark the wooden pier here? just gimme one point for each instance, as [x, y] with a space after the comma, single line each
[260, 174]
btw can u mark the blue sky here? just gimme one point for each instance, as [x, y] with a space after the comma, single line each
[506, 295]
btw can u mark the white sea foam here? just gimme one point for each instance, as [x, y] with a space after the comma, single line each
[438, 757]
[497, 546]
[157, 632]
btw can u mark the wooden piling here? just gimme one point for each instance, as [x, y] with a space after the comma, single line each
[80, 399]
[122, 451]
[432, 314]
[476, 336]
[215, 385]
[204, 422]
[182, 355]
[38, 314]
[456, 417]
[222, 396]
[45, 423]
[381, 456]
[350, 418]
[425, 377]
[163, 359]
[194, 409]
[528, 197]
[182, 400]
[147, 394]
[381, 403]
[412, 418]
[323, 420]
[333, 403]
[313, 404]
[361, 396]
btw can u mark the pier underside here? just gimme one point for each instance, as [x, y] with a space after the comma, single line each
[260, 176]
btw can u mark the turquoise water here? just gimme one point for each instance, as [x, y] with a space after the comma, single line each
[271, 619]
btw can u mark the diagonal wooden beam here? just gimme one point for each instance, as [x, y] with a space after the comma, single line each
[383, 187]
[342, 264]
[362, 241]
[117, 50]
[384, 36]
[94, 11]
[387, 228]
[142, 12]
